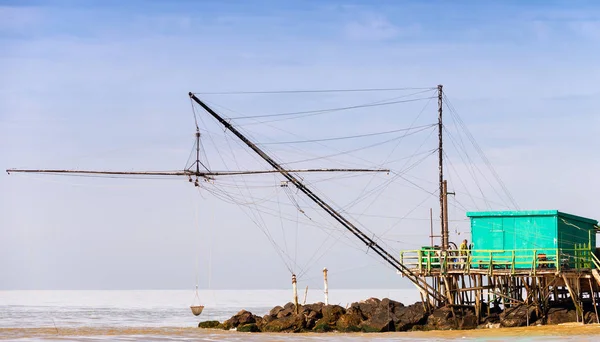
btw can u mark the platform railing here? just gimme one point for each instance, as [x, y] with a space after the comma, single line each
[428, 260]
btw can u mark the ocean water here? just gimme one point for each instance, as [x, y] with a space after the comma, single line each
[155, 308]
[165, 315]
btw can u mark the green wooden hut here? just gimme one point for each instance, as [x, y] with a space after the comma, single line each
[531, 239]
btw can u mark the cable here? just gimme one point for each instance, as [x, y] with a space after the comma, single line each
[481, 153]
[329, 110]
[310, 91]
[346, 137]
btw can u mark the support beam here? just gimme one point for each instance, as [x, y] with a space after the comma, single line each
[574, 298]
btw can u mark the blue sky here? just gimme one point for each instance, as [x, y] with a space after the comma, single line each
[104, 85]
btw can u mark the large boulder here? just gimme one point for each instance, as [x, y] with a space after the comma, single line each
[288, 309]
[367, 307]
[292, 323]
[274, 311]
[518, 316]
[409, 316]
[383, 317]
[330, 316]
[312, 313]
[381, 321]
[264, 321]
[441, 319]
[354, 309]
[468, 321]
[559, 315]
[348, 322]
[315, 307]
[241, 318]
[390, 305]
[590, 317]
[252, 327]
[210, 325]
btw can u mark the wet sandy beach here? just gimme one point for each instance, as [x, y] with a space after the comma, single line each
[567, 332]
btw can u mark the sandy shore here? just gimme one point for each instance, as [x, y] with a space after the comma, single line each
[591, 330]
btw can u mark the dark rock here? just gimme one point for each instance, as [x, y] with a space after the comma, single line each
[252, 327]
[210, 325]
[288, 309]
[468, 321]
[331, 314]
[322, 327]
[590, 317]
[383, 318]
[559, 315]
[390, 305]
[354, 309]
[292, 323]
[418, 328]
[441, 319]
[311, 318]
[381, 321]
[274, 311]
[517, 316]
[258, 320]
[348, 322]
[241, 318]
[368, 307]
[264, 321]
[316, 307]
[409, 316]
[312, 313]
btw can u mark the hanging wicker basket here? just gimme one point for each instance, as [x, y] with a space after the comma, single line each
[197, 309]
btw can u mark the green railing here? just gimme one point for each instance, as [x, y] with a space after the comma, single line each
[426, 260]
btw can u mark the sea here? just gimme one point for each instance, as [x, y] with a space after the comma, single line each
[157, 315]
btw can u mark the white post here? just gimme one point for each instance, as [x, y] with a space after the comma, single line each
[325, 287]
[295, 289]
[305, 294]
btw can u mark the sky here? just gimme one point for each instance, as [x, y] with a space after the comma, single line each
[104, 84]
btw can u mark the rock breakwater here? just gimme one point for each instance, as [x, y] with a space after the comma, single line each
[375, 315]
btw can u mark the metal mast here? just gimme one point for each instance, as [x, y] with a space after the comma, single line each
[441, 170]
[395, 263]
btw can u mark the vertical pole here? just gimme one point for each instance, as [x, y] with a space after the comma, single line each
[440, 161]
[431, 225]
[445, 215]
[197, 151]
[295, 289]
[325, 286]
[305, 294]
[593, 295]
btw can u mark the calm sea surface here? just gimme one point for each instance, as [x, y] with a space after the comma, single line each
[165, 315]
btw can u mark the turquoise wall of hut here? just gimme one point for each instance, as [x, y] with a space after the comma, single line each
[525, 237]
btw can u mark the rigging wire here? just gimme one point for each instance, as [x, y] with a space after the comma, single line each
[480, 152]
[346, 137]
[300, 115]
[357, 149]
[470, 168]
[301, 150]
[447, 159]
[298, 91]
[332, 110]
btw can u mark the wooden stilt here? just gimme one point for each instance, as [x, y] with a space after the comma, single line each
[592, 293]
[574, 298]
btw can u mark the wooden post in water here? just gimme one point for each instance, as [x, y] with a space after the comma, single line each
[325, 286]
[295, 289]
